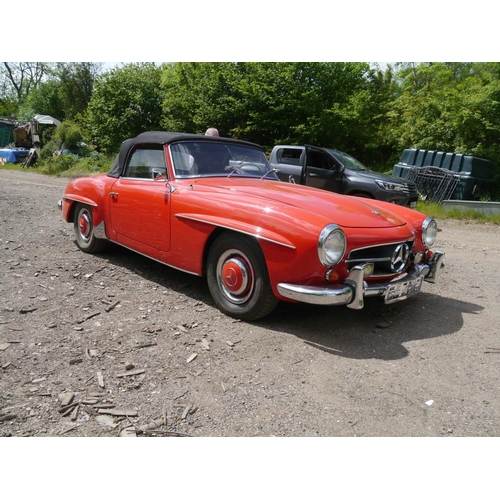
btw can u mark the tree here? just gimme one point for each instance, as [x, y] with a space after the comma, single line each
[8, 107]
[450, 107]
[198, 96]
[266, 102]
[20, 78]
[125, 102]
[76, 86]
[64, 94]
[44, 100]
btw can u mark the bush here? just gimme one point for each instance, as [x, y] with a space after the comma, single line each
[95, 162]
[70, 165]
[70, 134]
[48, 149]
[56, 164]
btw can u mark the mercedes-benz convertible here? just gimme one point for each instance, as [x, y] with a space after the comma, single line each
[214, 207]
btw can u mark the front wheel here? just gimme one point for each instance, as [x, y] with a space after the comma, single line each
[238, 279]
[84, 230]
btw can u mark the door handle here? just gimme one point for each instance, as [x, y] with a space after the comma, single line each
[113, 194]
[313, 175]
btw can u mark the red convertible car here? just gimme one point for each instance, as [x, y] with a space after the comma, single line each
[214, 207]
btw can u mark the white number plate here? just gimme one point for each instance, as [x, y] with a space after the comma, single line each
[399, 291]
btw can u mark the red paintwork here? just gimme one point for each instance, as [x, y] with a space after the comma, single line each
[173, 221]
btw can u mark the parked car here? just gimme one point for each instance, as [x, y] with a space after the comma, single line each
[340, 172]
[214, 207]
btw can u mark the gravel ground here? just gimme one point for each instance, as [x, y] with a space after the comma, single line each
[117, 345]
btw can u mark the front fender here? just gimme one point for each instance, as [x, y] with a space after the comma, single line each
[240, 227]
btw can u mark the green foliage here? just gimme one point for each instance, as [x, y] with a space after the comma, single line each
[452, 107]
[56, 164]
[76, 85]
[44, 100]
[19, 79]
[270, 102]
[68, 165]
[125, 102]
[49, 148]
[65, 95]
[371, 113]
[70, 134]
[95, 162]
[8, 107]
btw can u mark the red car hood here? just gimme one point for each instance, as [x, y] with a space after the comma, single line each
[346, 211]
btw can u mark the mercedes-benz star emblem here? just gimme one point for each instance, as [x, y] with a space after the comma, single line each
[231, 277]
[400, 257]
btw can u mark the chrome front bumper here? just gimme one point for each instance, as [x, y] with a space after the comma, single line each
[354, 289]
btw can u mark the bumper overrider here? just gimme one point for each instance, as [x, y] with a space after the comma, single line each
[354, 289]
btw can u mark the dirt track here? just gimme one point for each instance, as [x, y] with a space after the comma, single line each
[79, 326]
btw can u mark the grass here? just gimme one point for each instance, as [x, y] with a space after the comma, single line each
[436, 211]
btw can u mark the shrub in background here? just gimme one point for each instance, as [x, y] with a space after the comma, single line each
[70, 134]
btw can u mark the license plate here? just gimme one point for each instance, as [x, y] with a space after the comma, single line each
[413, 204]
[401, 290]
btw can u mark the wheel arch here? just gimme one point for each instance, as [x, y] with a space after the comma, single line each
[73, 201]
[218, 231]
[361, 194]
[250, 296]
[223, 225]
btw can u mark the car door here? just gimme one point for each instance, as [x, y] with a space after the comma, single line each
[321, 170]
[140, 202]
[288, 163]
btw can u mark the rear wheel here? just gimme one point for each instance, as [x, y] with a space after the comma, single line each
[238, 279]
[84, 230]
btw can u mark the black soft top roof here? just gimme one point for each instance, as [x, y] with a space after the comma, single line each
[159, 137]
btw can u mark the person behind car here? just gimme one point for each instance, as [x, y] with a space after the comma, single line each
[212, 131]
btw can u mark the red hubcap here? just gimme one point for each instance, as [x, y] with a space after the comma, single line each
[84, 225]
[235, 276]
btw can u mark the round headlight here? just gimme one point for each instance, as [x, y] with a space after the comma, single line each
[429, 232]
[331, 245]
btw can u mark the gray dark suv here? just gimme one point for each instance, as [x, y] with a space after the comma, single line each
[336, 171]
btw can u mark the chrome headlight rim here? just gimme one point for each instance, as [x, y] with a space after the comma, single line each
[331, 234]
[429, 232]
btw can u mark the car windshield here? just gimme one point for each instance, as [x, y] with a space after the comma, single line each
[347, 160]
[207, 159]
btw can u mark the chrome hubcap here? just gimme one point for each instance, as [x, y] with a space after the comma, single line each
[235, 276]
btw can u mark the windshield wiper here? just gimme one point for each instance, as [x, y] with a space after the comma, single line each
[272, 171]
[247, 168]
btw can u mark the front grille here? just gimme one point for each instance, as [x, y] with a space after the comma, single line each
[411, 189]
[386, 258]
